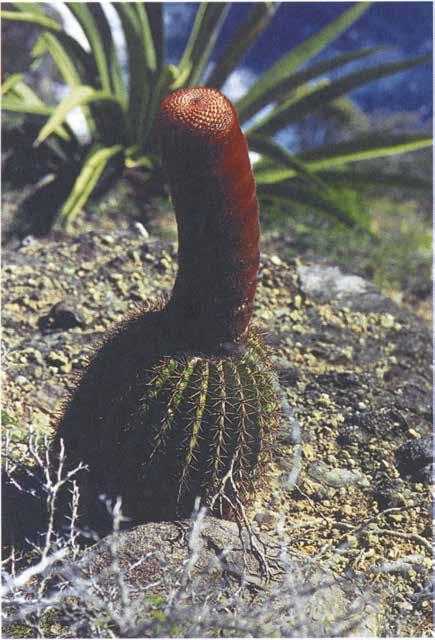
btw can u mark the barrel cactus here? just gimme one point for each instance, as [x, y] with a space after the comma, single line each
[209, 420]
[179, 402]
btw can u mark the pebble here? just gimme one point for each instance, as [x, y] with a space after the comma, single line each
[387, 321]
[414, 459]
[141, 230]
[309, 453]
[297, 301]
[276, 260]
[347, 510]
[352, 434]
[62, 316]
[352, 541]
[396, 517]
[335, 477]
[57, 359]
[266, 518]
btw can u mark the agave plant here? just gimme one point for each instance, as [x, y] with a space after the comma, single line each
[120, 107]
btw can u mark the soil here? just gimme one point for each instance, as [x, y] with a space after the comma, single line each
[355, 369]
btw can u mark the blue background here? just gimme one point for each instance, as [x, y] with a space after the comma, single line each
[405, 28]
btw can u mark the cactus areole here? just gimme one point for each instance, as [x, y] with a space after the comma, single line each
[205, 156]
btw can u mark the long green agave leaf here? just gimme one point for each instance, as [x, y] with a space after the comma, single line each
[141, 61]
[165, 81]
[366, 147]
[40, 20]
[144, 162]
[26, 93]
[146, 120]
[147, 35]
[288, 113]
[334, 155]
[17, 103]
[257, 20]
[375, 178]
[33, 14]
[155, 17]
[258, 127]
[285, 67]
[111, 55]
[95, 37]
[78, 97]
[13, 103]
[10, 82]
[85, 184]
[71, 74]
[270, 149]
[20, 98]
[284, 89]
[180, 76]
[206, 27]
[74, 63]
[289, 191]
[330, 156]
[345, 111]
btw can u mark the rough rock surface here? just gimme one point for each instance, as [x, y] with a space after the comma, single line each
[355, 370]
[415, 458]
[334, 607]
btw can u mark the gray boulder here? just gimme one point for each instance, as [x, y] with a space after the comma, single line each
[209, 577]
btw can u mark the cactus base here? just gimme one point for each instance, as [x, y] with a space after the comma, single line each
[196, 426]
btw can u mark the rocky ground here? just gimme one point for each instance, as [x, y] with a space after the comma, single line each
[355, 369]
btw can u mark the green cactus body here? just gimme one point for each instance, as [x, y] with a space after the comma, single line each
[202, 427]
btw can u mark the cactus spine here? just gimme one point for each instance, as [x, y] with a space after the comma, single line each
[208, 423]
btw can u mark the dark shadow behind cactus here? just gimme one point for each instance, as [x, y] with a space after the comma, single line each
[52, 168]
[179, 402]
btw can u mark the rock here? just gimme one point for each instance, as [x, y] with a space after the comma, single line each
[268, 519]
[301, 599]
[352, 434]
[276, 260]
[328, 283]
[414, 458]
[403, 565]
[335, 477]
[413, 397]
[285, 371]
[60, 317]
[28, 240]
[426, 474]
[391, 493]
